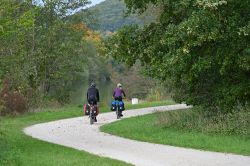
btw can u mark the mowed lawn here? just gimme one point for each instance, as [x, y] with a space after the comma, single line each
[155, 129]
[16, 148]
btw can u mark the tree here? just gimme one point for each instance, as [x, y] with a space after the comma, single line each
[16, 38]
[201, 48]
[42, 50]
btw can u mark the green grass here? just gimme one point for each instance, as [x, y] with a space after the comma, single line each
[19, 149]
[147, 128]
[16, 148]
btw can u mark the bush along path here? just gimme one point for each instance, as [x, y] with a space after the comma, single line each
[78, 134]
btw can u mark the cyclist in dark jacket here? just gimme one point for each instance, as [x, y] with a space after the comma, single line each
[93, 96]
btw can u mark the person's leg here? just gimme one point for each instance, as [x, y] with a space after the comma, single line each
[120, 100]
[93, 102]
[117, 100]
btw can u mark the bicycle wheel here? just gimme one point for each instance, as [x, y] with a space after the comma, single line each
[91, 120]
[118, 112]
[91, 116]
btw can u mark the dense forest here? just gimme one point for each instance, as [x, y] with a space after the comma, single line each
[44, 52]
[49, 54]
[200, 49]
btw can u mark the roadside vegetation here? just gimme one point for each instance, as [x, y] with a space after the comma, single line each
[192, 128]
[199, 51]
[16, 148]
[49, 55]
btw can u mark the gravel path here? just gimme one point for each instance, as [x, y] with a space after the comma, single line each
[78, 134]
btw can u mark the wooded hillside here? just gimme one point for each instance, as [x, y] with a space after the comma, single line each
[110, 16]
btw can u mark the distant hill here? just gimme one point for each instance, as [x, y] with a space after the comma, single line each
[110, 16]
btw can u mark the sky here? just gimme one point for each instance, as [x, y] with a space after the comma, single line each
[94, 2]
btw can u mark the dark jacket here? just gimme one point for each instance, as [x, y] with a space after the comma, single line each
[93, 95]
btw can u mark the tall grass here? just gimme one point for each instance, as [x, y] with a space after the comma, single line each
[197, 120]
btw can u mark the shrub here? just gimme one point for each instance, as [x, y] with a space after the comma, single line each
[157, 95]
[13, 102]
[1, 106]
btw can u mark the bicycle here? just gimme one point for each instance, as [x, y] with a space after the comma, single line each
[92, 112]
[118, 108]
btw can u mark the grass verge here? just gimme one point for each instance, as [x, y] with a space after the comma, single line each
[188, 128]
[16, 148]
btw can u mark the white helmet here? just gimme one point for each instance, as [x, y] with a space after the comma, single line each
[119, 85]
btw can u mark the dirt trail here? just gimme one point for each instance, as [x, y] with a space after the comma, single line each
[78, 134]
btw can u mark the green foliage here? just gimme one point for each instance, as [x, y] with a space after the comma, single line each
[158, 93]
[134, 83]
[16, 21]
[201, 48]
[43, 48]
